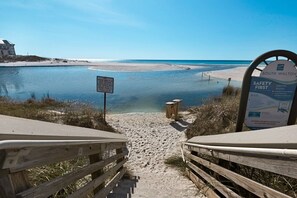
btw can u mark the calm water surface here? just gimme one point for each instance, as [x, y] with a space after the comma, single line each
[134, 91]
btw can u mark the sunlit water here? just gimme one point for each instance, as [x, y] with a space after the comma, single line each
[133, 92]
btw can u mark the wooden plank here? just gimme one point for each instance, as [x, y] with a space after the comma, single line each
[48, 188]
[215, 183]
[2, 157]
[14, 128]
[203, 187]
[105, 191]
[19, 144]
[250, 185]
[88, 188]
[25, 158]
[93, 159]
[13, 183]
[282, 166]
[6, 187]
[278, 137]
[112, 146]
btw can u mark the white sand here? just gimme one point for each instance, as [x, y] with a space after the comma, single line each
[154, 138]
[234, 73]
[108, 66]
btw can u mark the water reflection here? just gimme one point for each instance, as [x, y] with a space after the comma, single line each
[9, 79]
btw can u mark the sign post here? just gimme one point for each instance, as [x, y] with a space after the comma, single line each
[106, 85]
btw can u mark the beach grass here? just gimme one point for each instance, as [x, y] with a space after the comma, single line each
[216, 115]
[177, 162]
[51, 110]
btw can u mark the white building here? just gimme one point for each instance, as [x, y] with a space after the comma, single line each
[6, 48]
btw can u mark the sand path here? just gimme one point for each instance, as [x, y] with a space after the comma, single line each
[154, 138]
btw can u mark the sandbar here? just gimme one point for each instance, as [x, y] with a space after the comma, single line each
[106, 66]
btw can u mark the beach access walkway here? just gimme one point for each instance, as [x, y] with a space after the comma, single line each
[152, 138]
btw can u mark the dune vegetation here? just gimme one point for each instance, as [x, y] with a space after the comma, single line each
[50, 110]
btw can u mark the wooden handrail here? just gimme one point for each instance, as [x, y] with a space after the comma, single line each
[26, 144]
[13, 128]
[273, 150]
[279, 137]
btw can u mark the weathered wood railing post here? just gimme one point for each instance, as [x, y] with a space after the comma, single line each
[13, 183]
[93, 159]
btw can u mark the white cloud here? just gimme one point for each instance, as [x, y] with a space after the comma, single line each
[99, 11]
[26, 4]
[91, 11]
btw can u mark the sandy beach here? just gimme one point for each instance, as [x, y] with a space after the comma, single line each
[234, 73]
[152, 139]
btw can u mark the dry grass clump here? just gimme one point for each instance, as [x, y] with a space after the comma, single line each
[216, 116]
[46, 173]
[50, 110]
[31, 108]
[177, 162]
[88, 118]
[231, 91]
[280, 183]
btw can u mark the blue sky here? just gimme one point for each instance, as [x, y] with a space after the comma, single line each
[149, 29]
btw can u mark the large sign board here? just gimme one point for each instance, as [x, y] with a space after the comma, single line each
[105, 84]
[271, 95]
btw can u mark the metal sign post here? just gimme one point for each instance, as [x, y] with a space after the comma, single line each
[106, 85]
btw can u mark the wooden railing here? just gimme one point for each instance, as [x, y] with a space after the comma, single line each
[211, 158]
[27, 144]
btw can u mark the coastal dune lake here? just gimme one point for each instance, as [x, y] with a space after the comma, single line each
[133, 91]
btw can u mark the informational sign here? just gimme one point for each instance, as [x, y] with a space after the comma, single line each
[105, 84]
[271, 95]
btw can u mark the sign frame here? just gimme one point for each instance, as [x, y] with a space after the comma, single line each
[264, 58]
[105, 84]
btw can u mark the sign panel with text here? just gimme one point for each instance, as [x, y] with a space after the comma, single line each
[105, 84]
[271, 96]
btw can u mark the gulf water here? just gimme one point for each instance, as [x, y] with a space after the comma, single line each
[133, 91]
